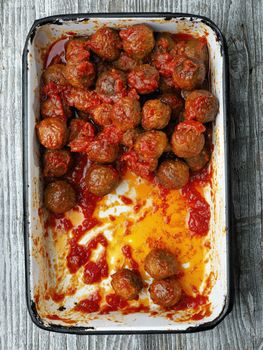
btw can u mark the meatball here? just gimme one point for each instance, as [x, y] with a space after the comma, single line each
[111, 85]
[166, 292]
[52, 133]
[138, 40]
[77, 50]
[144, 79]
[53, 107]
[101, 179]
[82, 99]
[188, 73]
[173, 174]
[102, 114]
[126, 113]
[174, 101]
[102, 151]
[139, 166]
[81, 74]
[198, 162]
[160, 264]
[193, 48]
[126, 283]
[106, 43]
[164, 42]
[150, 144]
[155, 115]
[54, 73]
[201, 105]
[188, 139]
[129, 137]
[59, 197]
[125, 63]
[56, 162]
[80, 136]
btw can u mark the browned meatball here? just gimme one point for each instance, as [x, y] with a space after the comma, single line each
[126, 113]
[188, 139]
[150, 144]
[164, 42]
[101, 115]
[101, 179]
[174, 101]
[138, 40]
[125, 63]
[201, 105]
[52, 133]
[59, 197]
[54, 73]
[126, 283]
[155, 115]
[144, 79]
[166, 292]
[198, 162]
[173, 174]
[56, 162]
[52, 107]
[102, 151]
[81, 74]
[129, 137]
[188, 73]
[111, 85]
[160, 264]
[77, 49]
[193, 48]
[106, 43]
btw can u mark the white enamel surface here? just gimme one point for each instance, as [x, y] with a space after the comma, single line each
[217, 260]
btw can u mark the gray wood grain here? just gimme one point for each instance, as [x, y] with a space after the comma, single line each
[241, 22]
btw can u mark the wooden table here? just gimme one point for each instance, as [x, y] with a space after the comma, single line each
[242, 24]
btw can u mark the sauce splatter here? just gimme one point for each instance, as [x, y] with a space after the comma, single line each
[127, 252]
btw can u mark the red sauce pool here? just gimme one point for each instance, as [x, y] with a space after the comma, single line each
[114, 302]
[95, 271]
[89, 305]
[56, 52]
[186, 37]
[200, 214]
[189, 302]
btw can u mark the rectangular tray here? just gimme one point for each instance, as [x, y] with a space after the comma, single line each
[42, 33]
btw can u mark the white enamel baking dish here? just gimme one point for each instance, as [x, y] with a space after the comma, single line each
[43, 33]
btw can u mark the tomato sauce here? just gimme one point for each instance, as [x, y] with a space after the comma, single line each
[56, 52]
[95, 271]
[126, 200]
[114, 303]
[79, 256]
[91, 304]
[199, 216]
[188, 302]
[127, 252]
[56, 317]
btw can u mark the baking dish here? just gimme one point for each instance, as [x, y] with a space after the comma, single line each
[43, 33]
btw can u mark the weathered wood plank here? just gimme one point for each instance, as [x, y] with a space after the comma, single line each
[241, 22]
